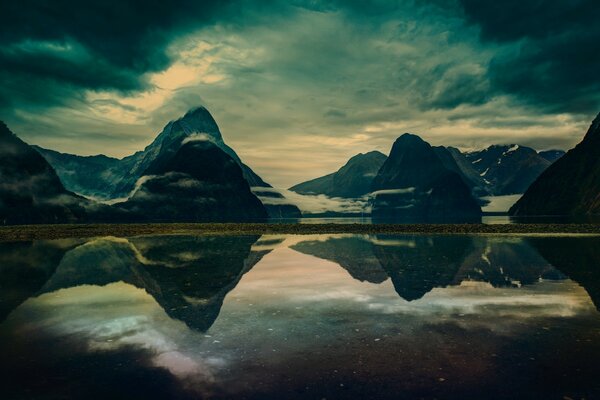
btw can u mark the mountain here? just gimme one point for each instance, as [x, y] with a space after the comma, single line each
[456, 161]
[551, 155]
[570, 186]
[414, 183]
[508, 169]
[108, 178]
[91, 176]
[199, 182]
[30, 190]
[351, 181]
[196, 123]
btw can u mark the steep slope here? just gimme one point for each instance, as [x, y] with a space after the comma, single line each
[351, 181]
[551, 155]
[570, 186]
[30, 190]
[91, 176]
[413, 182]
[455, 161]
[200, 182]
[508, 169]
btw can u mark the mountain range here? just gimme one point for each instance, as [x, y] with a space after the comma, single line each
[188, 173]
[494, 171]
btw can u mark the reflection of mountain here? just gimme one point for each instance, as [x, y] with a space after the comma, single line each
[578, 257]
[353, 253]
[25, 267]
[417, 264]
[189, 277]
[423, 263]
[505, 262]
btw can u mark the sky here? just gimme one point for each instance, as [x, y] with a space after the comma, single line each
[299, 86]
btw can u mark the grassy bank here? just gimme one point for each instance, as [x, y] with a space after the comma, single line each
[28, 232]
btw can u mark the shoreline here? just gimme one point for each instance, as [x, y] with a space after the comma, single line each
[64, 231]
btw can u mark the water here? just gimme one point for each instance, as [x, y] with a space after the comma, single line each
[278, 317]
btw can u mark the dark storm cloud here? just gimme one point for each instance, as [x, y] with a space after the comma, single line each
[50, 48]
[551, 58]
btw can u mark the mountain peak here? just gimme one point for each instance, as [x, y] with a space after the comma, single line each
[409, 136]
[199, 120]
[409, 142]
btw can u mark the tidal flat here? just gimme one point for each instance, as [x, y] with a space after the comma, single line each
[62, 231]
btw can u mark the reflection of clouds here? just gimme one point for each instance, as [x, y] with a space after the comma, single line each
[116, 317]
[541, 300]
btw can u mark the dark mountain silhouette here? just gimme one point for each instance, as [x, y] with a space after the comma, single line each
[571, 186]
[351, 181]
[455, 161]
[199, 182]
[30, 190]
[108, 178]
[414, 183]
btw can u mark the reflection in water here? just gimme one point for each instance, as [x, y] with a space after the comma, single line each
[336, 316]
[188, 276]
[417, 264]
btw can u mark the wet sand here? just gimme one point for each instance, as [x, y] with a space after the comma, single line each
[60, 231]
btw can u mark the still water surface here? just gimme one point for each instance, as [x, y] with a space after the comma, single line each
[278, 317]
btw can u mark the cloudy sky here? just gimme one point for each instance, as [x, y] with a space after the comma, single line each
[299, 86]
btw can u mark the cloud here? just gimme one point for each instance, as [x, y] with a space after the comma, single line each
[392, 191]
[314, 204]
[198, 137]
[548, 58]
